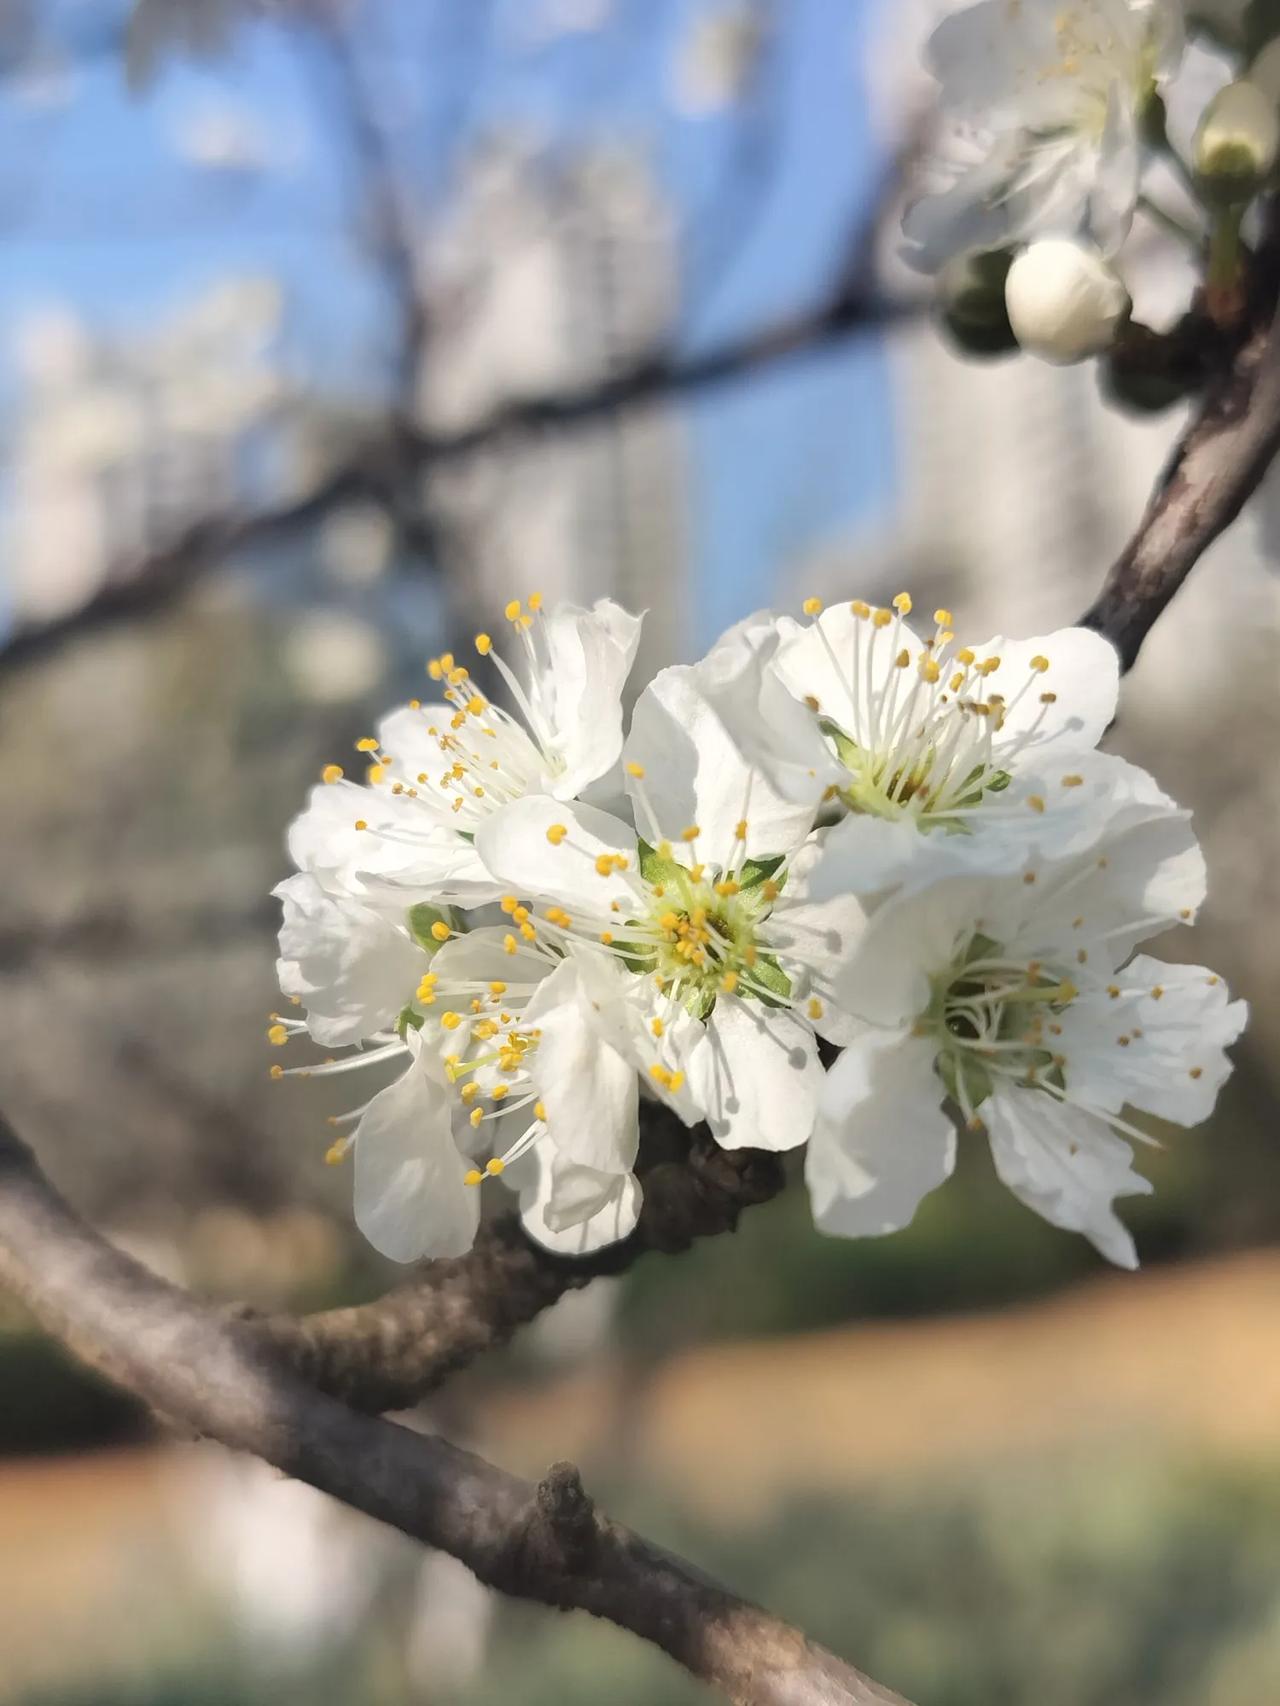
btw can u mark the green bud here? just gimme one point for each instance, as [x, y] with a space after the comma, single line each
[971, 305]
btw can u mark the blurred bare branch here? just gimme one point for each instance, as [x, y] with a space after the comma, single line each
[546, 1543]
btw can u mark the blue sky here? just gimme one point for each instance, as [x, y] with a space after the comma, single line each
[98, 208]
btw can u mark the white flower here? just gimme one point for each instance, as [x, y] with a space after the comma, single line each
[1011, 996]
[1065, 302]
[502, 1054]
[1041, 103]
[439, 770]
[731, 968]
[963, 755]
[1237, 141]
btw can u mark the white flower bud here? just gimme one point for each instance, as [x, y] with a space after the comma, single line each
[1237, 142]
[1065, 301]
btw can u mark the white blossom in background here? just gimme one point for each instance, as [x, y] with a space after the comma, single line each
[1016, 999]
[1065, 301]
[1040, 110]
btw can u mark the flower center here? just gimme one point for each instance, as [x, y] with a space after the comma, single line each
[995, 1018]
[919, 730]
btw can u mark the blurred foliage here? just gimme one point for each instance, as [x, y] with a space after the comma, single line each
[1115, 1583]
[53, 1404]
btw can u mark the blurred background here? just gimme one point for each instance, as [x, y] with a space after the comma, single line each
[324, 329]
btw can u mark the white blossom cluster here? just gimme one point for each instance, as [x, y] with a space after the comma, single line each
[847, 828]
[1051, 130]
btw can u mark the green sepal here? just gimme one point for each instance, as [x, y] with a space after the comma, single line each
[408, 1020]
[653, 867]
[848, 751]
[770, 984]
[757, 871]
[422, 916]
[701, 1004]
[963, 1070]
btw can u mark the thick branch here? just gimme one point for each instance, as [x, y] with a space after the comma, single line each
[1218, 464]
[387, 1355]
[545, 1543]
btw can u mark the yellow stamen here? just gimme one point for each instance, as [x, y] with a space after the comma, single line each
[331, 773]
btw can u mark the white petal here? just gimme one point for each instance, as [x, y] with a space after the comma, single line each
[1083, 676]
[1065, 1166]
[907, 941]
[882, 1141]
[696, 774]
[589, 1091]
[814, 941]
[756, 1074]
[845, 666]
[514, 847]
[351, 968]
[1172, 1061]
[591, 653]
[478, 956]
[574, 1210]
[410, 1200]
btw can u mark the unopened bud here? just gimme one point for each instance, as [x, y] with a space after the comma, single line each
[1065, 301]
[1236, 143]
[971, 303]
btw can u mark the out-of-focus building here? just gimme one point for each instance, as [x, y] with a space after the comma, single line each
[122, 444]
[546, 280]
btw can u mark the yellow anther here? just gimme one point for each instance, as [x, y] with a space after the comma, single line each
[956, 682]
[1184, 914]
[558, 915]
[469, 1092]
[277, 1036]
[1048, 698]
[816, 1009]
[457, 676]
[943, 618]
[636, 770]
[375, 773]
[512, 611]
[604, 864]
[336, 1151]
[509, 903]
[1157, 992]
[528, 932]
[881, 618]
[675, 1082]
[740, 829]
[769, 889]
[451, 1020]
[1035, 802]
[497, 987]
[860, 610]
[540, 1111]
[726, 886]
[660, 1075]
[1113, 990]
[441, 931]
[902, 604]
[965, 656]
[499, 1091]
[690, 834]
[696, 873]
[664, 850]
[812, 607]
[476, 705]
[476, 1115]
[434, 670]
[509, 944]
[989, 666]
[903, 658]
[368, 744]
[1196, 1072]
[474, 1177]
[535, 601]
[929, 670]
[331, 773]
[1039, 664]
[657, 1027]
[606, 936]
[520, 915]
[729, 982]
[1073, 781]
[556, 833]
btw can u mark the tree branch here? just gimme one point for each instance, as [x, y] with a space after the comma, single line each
[546, 1543]
[389, 1354]
[1217, 465]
